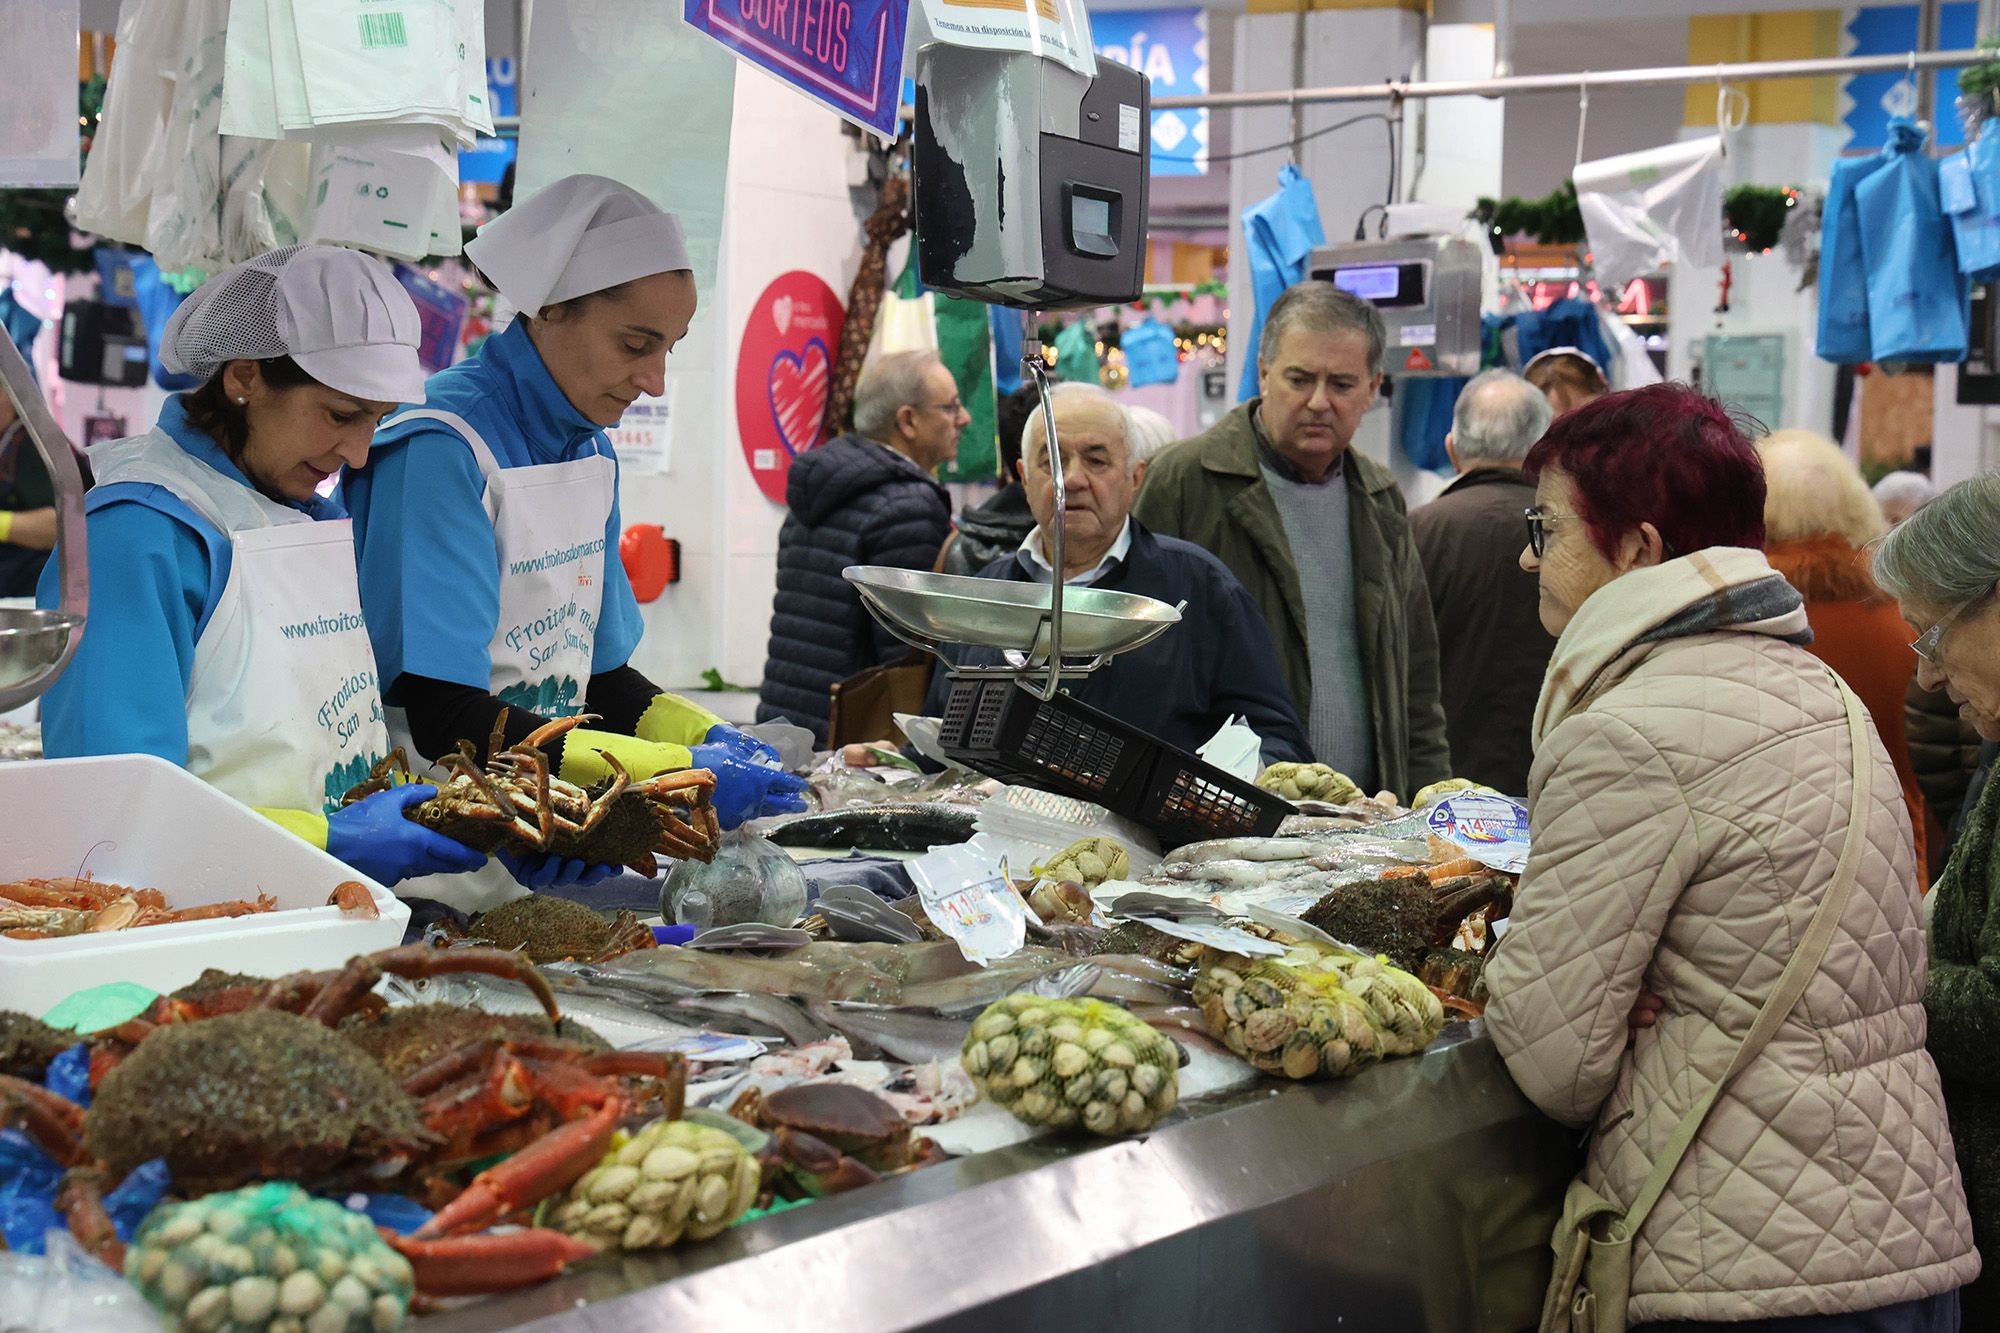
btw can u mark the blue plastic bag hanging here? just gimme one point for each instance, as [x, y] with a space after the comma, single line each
[1076, 353]
[1917, 299]
[1150, 355]
[1969, 189]
[1279, 233]
[1007, 330]
[1843, 290]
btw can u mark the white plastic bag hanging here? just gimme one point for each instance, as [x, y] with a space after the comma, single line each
[38, 132]
[116, 194]
[904, 325]
[388, 188]
[1235, 749]
[1646, 210]
[367, 60]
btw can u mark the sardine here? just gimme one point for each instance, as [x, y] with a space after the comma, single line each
[889, 828]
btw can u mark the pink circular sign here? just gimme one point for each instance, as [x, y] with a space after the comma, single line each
[784, 370]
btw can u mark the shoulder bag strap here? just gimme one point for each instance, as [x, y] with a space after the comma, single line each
[1792, 981]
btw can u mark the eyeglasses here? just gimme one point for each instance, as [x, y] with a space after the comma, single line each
[1931, 641]
[1538, 528]
[952, 408]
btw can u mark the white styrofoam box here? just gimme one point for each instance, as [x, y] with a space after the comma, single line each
[141, 821]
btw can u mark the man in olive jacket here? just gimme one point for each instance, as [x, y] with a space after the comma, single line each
[1319, 535]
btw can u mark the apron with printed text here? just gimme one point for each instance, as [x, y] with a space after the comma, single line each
[283, 707]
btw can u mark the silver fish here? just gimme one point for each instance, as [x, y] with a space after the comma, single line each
[1244, 849]
[1240, 873]
[914, 1036]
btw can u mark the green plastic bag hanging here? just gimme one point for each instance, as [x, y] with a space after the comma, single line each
[965, 345]
[1076, 353]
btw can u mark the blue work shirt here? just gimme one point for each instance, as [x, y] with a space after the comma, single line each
[425, 548]
[157, 570]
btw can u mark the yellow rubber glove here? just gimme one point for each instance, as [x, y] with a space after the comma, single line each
[676, 721]
[583, 764]
[304, 823]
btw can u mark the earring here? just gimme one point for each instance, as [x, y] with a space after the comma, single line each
[242, 402]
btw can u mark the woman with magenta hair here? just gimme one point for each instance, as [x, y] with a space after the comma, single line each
[1716, 958]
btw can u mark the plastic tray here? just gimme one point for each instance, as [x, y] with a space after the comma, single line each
[138, 820]
[1064, 746]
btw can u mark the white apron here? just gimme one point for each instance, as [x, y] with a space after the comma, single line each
[548, 526]
[283, 707]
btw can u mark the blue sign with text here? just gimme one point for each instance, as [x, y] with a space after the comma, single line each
[847, 54]
[1170, 47]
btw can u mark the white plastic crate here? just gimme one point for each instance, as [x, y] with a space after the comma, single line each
[143, 822]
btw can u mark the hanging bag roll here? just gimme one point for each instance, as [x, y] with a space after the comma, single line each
[1969, 189]
[1918, 302]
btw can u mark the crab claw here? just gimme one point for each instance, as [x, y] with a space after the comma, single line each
[819, 1167]
[561, 726]
[472, 1265]
[553, 1162]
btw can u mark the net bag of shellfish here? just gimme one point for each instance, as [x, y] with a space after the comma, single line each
[1315, 1012]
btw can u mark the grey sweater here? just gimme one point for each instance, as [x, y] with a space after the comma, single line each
[1318, 528]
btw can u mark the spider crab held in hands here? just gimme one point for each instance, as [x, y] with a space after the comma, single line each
[514, 802]
[248, 1082]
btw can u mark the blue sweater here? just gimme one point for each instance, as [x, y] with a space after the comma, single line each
[1185, 684]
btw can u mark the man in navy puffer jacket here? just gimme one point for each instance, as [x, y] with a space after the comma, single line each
[867, 498]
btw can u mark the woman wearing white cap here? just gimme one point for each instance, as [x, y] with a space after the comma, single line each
[486, 521]
[225, 619]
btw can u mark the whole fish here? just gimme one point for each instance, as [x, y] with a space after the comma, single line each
[1244, 849]
[914, 827]
[1240, 873]
[915, 1036]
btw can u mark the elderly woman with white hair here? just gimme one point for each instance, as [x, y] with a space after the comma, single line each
[1901, 494]
[1943, 568]
[1818, 519]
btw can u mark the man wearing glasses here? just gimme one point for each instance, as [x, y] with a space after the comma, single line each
[869, 497]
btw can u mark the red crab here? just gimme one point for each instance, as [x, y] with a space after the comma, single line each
[229, 1086]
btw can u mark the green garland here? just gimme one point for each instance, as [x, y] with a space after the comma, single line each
[1755, 214]
[1982, 80]
[1553, 220]
[32, 224]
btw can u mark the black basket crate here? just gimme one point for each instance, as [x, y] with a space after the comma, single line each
[1063, 746]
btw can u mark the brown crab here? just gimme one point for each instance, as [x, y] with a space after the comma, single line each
[828, 1138]
[1413, 919]
[549, 929]
[514, 802]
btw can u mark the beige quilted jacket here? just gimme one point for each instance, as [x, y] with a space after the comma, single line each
[1688, 800]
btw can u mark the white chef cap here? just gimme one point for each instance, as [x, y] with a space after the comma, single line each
[340, 315]
[579, 235]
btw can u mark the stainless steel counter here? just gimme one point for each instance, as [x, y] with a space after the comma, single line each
[1417, 1196]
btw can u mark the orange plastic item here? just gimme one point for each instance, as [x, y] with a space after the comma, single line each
[652, 559]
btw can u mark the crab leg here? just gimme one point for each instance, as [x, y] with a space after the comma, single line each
[473, 1265]
[550, 730]
[553, 1162]
[344, 991]
[502, 803]
[53, 1121]
[81, 1202]
[601, 807]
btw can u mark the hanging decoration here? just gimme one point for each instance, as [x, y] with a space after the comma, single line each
[1553, 219]
[32, 222]
[889, 221]
[1979, 89]
[1754, 215]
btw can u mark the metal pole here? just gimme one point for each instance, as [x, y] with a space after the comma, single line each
[1298, 75]
[1927, 82]
[1503, 38]
[1573, 82]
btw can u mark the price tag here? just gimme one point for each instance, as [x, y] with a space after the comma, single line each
[986, 918]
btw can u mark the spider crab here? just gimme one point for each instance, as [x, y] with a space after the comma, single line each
[1413, 917]
[246, 1082]
[513, 801]
[828, 1138]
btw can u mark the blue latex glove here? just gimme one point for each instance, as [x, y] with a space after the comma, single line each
[745, 789]
[373, 836]
[545, 871]
[741, 743]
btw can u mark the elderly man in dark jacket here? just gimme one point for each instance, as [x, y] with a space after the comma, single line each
[1217, 662]
[869, 498]
[1318, 535]
[1492, 649]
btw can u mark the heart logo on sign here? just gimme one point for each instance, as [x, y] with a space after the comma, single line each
[798, 396]
[781, 314]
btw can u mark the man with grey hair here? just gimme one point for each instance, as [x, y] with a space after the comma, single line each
[865, 498]
[1216, 663]
[1318, 535]
[1492, 649]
